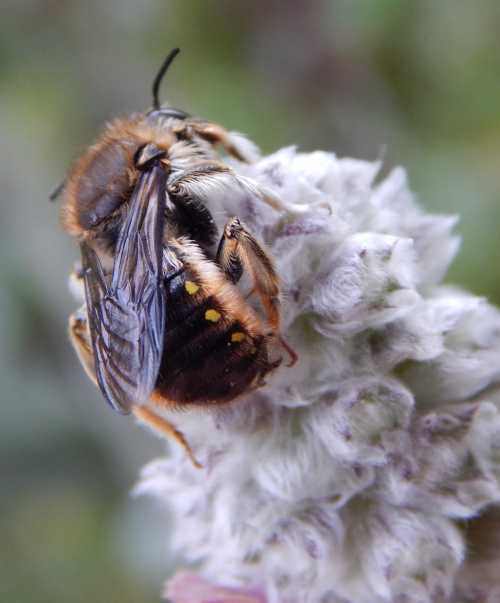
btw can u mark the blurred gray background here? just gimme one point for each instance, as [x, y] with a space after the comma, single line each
[415, 82]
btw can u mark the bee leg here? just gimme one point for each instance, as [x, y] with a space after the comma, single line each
[80, 338]
[194, 187]
[165, 428]
[238, 251]
[216, 134]
[202, 182]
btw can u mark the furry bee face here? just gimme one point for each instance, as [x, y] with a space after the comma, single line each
[165, 324]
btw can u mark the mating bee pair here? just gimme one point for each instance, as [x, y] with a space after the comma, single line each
[165, 324]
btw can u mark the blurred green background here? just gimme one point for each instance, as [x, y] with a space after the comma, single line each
[417, 83]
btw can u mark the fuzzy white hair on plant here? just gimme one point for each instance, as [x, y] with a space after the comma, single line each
[346, 478]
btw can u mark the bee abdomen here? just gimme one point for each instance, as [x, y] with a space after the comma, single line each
[208, 355]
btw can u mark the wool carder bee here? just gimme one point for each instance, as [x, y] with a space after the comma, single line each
[165, 324]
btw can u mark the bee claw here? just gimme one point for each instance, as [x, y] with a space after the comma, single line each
[291, 352]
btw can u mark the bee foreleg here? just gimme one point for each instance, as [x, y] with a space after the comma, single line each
[213, 179]
[239, 251]
[216, 134]
[165, 428]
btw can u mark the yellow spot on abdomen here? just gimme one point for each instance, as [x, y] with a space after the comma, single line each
[238, 336]
[191, 287]
[212, 315]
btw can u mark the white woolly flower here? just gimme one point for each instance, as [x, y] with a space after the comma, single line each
[346, 478]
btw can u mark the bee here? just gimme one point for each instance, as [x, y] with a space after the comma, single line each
[164, 324]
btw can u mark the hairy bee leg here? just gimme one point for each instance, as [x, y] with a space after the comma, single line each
[205, 177]
[80, 338]
[216, 134]
[239, 251]
[165, 428]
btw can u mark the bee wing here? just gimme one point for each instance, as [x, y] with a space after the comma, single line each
[127, 315]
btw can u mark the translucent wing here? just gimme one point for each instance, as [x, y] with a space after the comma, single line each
[126, 312]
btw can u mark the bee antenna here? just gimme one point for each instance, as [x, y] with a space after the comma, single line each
[57, 191]
[159, 76]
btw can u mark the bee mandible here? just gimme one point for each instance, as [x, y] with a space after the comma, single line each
[164, 324]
